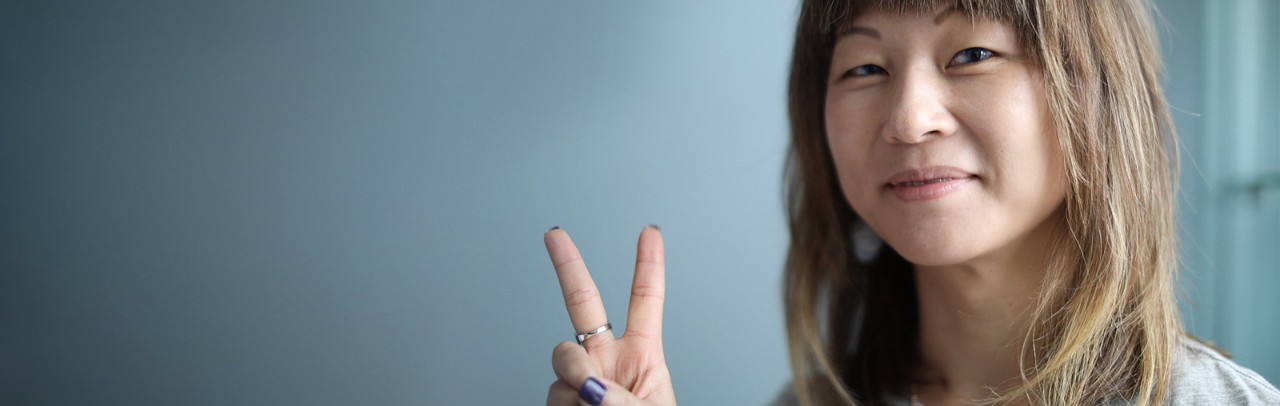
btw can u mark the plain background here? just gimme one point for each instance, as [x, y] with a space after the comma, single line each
[330, 202]
[324, 202]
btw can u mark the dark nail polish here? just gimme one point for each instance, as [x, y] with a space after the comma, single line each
[655, 227]
[553, 229]
[592, 391]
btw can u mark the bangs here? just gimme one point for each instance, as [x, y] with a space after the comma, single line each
[835, 19]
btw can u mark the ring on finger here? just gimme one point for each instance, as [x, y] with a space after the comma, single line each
[582, 337]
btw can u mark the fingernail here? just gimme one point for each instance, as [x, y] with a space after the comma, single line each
[553, 229]
[655, 227]
[592, 391]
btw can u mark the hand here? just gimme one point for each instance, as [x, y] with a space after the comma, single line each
[630, 370]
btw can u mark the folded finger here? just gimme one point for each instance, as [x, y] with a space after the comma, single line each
[578, 371]
[610, 394]
[648, 287]
[593, 391]
[562, 394]
[572, 364]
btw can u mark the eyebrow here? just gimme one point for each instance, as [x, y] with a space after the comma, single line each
[871, 32]
[937, 20]
[855, 30]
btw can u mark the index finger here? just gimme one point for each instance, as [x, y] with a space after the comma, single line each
[581, 298]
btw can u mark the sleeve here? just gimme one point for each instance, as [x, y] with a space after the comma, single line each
[1205, 377]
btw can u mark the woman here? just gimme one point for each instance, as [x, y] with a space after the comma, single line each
[981, 211]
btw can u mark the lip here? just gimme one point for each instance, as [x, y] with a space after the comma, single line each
[928, 183]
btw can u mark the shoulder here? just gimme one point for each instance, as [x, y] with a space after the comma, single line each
[1203, 376]
[787, 397]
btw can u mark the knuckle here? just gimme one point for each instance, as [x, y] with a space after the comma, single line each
[644, 335]
[648, 292]
[556, 393]
[599, 342]
[563, 349]
[567, 261]
[580, 296]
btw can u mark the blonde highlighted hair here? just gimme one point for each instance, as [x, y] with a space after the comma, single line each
[1106, 323]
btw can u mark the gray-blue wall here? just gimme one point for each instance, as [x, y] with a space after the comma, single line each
[1222, 58]
[323, 202]
[332, 202]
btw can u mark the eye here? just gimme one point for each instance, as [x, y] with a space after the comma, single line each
[971, 55]
[865, 70]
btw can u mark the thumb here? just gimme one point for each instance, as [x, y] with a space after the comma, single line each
[604, 392]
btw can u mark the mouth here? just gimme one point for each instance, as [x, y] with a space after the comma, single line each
[921, 182]
[928, 183]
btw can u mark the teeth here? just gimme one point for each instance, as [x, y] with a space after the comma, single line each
[924, 182]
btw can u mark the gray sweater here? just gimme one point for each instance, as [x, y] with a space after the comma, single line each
[1201, 376]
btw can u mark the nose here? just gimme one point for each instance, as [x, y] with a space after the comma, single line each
[920, 111]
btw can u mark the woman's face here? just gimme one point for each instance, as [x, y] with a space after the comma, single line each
[941, 136]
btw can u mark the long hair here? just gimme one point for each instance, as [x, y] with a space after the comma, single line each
[1105, 325]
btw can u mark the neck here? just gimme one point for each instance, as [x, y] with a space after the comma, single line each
[973, 319]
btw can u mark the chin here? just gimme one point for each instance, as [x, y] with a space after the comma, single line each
[932, 252]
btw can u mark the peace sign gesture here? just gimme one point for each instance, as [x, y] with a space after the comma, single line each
[605, 370]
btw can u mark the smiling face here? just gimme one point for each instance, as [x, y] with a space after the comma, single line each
[941, 136]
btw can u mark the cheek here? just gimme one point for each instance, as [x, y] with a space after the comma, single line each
[1016, 115]
[1056, 166]
[837, 127]
[1056, 172]
[1035, 162]
[1046, 149]
[849, 149]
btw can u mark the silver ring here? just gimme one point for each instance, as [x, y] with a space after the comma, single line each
[584, 336]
